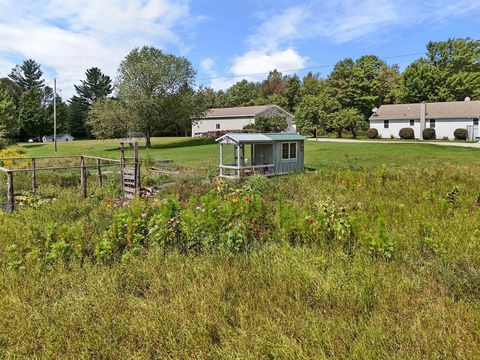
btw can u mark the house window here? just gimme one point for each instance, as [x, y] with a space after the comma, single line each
[386, 124]
[475, 121]
[432, 123]
[289, 151]
[217, 126]
[412, 122]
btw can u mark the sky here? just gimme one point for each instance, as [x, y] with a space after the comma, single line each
[226, 40]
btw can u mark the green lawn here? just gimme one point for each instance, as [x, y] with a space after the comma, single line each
[199, 153]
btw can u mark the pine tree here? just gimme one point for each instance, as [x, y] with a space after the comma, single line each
[31, 116]
[8, 115]
[96, 86]
[28, 75]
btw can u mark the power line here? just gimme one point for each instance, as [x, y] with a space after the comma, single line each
[300, 69]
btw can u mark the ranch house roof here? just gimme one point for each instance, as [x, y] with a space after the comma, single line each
[434, 110]
[241, 111]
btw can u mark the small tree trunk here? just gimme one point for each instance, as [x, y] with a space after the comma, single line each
[148, 142]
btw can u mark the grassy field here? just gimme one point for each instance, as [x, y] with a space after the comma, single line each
[197, 153]
[374, 255]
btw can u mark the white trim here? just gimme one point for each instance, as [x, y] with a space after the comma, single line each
[289, 154]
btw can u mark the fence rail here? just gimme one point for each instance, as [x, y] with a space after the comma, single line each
[100, 162]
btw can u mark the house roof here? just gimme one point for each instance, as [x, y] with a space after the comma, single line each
[241, 111]
[260, 138]
[436, 110]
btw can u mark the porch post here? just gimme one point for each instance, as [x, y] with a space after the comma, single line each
[238, 160]
[221, 159]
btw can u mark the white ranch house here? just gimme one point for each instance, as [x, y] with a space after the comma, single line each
[235, 118]
[444, 117]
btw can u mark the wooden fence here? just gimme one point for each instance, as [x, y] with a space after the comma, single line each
[100, 163]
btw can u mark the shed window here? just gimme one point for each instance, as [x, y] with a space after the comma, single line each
[412, 122]
[475, 121]
[386, 124]
[432, 123]
[293, 150]
[217, 126]
[285, 151]
[289, 151]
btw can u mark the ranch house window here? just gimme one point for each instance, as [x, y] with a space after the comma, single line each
[412, 122]
[475, 121]
[432, 123]
[386, 124]
[217, 126]
[289, 151]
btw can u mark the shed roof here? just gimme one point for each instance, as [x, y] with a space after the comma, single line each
[261, 138]
[436, 110]
[241, 111]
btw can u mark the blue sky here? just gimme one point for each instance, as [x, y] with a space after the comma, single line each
[224, 39]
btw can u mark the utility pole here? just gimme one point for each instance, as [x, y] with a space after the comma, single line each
[55, 113]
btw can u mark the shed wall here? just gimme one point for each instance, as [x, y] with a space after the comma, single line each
[291, 165]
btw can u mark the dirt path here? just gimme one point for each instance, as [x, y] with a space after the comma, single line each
[440, 143]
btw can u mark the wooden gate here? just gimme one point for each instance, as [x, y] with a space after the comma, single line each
[130, 175]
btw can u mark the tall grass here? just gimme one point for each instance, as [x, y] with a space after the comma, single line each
[403, 282]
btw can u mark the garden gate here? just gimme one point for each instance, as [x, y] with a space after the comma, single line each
[130, 175]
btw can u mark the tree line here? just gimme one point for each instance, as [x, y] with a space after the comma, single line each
[154, 93]
[343, 101]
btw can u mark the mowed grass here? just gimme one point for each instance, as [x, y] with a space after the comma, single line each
[204, 153]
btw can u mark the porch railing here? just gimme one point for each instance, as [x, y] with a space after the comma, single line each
[232, 171]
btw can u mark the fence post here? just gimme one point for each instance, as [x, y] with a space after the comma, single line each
[122, 164]
[99, 170]
[34, 176]
[10, 193]
[83, 177]
[137, 166]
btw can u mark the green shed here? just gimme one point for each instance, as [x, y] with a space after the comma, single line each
[245, 154]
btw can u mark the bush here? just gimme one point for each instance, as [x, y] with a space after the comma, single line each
[429, 134]
[406, 133]
[372, 133]
[460, 134]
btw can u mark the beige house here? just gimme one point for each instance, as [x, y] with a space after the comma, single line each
[236, 118]
[444, 117]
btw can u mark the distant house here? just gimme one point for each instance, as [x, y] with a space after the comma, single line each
[60, 137]
[444, 117]
[235, 118]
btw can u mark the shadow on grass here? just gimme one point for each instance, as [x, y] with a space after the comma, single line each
[178, 144]
[30, 146]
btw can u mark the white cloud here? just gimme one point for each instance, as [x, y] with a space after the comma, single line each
[261, 62]
[207, 65]
[70, 36]
[279, 28]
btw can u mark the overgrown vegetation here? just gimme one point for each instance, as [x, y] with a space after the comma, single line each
[373, 261]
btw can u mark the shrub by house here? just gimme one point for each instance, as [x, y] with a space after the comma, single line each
[372, 133]
[460, 134]
[406, 133]
[429, 134]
